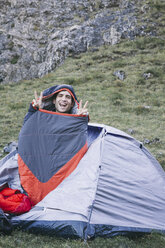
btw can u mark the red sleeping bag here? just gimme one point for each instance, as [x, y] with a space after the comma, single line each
[13, 201]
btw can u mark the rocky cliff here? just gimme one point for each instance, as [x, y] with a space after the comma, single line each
[37, 35]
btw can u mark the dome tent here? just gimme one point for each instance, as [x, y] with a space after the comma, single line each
[117, 188]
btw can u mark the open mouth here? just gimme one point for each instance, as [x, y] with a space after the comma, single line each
[63, 105]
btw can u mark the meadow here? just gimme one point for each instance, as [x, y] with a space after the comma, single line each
[135, 105]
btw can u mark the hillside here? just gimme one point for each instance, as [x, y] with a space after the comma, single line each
[37, 35]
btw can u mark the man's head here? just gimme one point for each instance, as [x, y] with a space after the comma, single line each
[63, 102]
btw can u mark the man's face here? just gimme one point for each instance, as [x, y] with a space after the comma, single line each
[63, 102]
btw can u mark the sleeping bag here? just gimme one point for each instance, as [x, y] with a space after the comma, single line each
[50, 147]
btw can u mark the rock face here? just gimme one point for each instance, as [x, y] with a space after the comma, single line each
[37, 35]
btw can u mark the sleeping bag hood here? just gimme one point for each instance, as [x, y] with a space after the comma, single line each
[48, 96]
[49, 93]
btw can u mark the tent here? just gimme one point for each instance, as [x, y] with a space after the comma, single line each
[117, 187]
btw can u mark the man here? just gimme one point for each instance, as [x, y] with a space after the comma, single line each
[52, 140]
[60, 99]
[63, 102]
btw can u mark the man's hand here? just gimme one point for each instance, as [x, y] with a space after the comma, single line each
[37, 102]
[82, 110]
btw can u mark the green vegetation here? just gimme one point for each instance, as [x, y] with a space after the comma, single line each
[25, 240]
[14, 59]
[137, 103]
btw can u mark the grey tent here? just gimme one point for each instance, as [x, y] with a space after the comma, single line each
[118, 187]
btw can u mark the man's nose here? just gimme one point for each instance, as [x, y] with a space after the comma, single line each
[64, 98]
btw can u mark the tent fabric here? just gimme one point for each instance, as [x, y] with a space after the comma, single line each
[130, 189]
[117, 188]
[9, 174]
[5, 224]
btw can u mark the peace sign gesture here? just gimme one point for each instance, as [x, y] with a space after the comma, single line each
[37, 101]
[82, 110]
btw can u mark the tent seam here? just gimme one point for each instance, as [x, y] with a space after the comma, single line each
[99, 169]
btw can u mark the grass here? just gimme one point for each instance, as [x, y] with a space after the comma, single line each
[25, 240]
[136, 103]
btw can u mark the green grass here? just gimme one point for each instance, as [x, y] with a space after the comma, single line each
[135, 103]
[25, 240]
